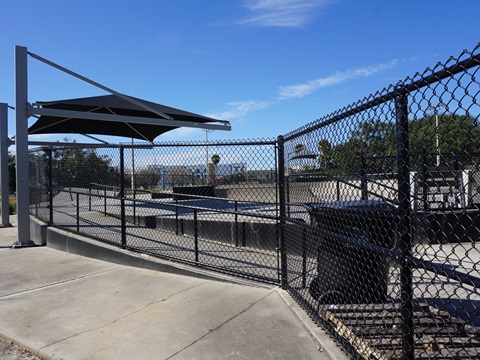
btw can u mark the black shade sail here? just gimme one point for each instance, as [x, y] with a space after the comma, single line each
[112, 105]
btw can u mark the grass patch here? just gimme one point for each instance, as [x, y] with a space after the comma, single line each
[12, 205]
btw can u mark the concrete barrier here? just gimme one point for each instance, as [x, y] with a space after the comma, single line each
[75, 244]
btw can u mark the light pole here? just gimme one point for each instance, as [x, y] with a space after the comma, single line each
[437, 145]
[132, 180]
[206, 146]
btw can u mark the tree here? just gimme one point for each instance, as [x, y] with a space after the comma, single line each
[146, 177]
[376, 140]
[325, 155]
[455, 133]
[79, 167]
[12, 180]
[298, 149]
[215, 159]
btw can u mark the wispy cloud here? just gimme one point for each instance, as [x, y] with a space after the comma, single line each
[301, 90]
[238, 109]
[179, 133]
[281, 13]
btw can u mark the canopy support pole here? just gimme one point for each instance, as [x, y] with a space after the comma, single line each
[100, 86]
[4, 142]
[21, 148]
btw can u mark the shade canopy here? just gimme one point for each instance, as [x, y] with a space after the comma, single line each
[114, 105]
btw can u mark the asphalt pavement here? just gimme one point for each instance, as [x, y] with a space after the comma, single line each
[65, 306]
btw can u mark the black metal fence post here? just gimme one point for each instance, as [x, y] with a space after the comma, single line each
[363, 176]
[50, 184]
[90, 198]
[304, 257]
[405, 244]
[134, 206]
[176, 217]
[105, 201]
[195, 234]
[78, 211]
[281, 192]
[123, 224]
[236, 223]
[244, 234]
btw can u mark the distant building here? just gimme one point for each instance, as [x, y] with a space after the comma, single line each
[182, 175]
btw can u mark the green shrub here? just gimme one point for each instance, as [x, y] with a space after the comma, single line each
[12, 207]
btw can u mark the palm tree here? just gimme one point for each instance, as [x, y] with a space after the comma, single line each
[298, 148]
[215, 159]
[212, 169]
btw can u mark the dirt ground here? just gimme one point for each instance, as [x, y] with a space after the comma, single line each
[10, 351]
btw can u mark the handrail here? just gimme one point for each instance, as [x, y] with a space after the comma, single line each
[176, 205]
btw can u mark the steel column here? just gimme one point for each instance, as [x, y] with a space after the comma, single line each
[21, 147]
[50, 184]
[4, 142]
[122, 198]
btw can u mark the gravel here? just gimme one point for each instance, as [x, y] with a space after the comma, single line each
[11, 351]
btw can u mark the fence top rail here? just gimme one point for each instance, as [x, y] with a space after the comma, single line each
[402, 88]
[57, 145]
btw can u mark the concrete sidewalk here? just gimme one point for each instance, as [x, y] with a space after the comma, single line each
[65, 306]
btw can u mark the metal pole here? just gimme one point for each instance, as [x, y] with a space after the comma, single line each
[21, 147]
[4, 165]
[437, 130]
[437, 147]
[50, 184]
[206, 148]
[244, 234]
[236, 222]
[195, 234]
[304, 257]
[133, 168]
[363, 176]
[423, 177]
[78, 211]
[123, 224]
[134, 207]
[91, 82]
[405, 246]
[281, 192]
[176, 217]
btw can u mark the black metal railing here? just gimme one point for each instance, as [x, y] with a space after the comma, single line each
[230, 227]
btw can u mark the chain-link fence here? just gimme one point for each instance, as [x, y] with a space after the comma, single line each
[369, 217]
[382, 218]
[213, 206]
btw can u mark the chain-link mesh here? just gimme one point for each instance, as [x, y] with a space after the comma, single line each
[382, 228]
[212, 205]
[371, 221]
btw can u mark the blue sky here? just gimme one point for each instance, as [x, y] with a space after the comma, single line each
[267, 66]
